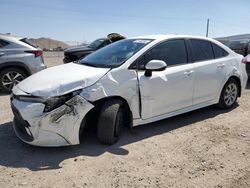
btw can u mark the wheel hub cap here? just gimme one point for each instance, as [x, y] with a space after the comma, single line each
[10, 79]
[230, 94]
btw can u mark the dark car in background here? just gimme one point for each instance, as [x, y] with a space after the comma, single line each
[239, 46]
[76, 53]
[242, 47]
[246, 60]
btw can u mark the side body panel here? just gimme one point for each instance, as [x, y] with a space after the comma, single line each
[166, 91]
[209, 78]
[118, 82]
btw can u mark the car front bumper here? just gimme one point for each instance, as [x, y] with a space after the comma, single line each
[60, 127]
[66, 60]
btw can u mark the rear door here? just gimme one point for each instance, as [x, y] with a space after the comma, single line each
[169, 90]
[3, 51]
[210, 69]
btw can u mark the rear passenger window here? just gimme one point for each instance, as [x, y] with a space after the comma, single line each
[3, 43]
[173, 52]
[201, 50]
[218, 51]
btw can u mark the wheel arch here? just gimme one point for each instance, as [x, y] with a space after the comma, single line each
[100, 102]
[91, 117]
[19, 65]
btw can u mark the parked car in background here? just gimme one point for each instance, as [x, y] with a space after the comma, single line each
[239, 46]
[19, 58]
[76, 53]
[247, 62]
[130, 82]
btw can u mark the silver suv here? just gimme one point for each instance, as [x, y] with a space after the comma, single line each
[19, 58]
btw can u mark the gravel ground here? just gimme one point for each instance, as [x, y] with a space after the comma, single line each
[205, 148]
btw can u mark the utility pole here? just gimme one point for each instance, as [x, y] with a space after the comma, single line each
[207, 27]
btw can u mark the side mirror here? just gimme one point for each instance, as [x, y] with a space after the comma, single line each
[154, 65]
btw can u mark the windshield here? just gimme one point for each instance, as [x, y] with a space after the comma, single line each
[96, 43]
[115, 54]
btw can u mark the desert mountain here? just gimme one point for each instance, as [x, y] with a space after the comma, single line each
[47, 43]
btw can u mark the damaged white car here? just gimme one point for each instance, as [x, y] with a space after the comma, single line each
[128, 83]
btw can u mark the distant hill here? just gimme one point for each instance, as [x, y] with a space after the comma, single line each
[234, 37]
[47, 43]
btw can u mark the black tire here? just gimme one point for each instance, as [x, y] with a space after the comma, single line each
[226, 96]
[111, 121]
[11, 73]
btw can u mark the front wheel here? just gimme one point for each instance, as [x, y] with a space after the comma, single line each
[111, 121]
[229, 94]
[11, 77]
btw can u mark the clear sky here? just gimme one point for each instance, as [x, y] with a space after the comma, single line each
[79, 20]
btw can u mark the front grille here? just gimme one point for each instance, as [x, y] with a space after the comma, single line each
[72, 58]
[21, 125]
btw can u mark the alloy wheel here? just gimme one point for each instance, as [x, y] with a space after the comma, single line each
[10, 79]
[230, 94]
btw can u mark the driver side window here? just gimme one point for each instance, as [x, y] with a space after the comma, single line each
[173, 52]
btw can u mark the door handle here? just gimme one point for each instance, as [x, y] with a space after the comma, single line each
[189, 72]
[1, 54]
[221, 65]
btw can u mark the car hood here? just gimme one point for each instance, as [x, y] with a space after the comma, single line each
[77, 49]
[60, 80]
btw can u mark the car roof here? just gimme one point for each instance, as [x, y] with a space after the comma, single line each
[170, 36]
[101, 39]
[10, 38]
[162, 37]
[16, 41]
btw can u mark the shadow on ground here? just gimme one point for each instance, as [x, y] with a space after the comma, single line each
[3, 94]
[16, 154]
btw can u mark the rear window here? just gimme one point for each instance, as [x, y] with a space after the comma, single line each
[3, 43]
[201, 50]
[218, 51]
[29, 42]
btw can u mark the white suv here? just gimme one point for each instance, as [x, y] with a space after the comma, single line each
[19, 58]
[128, 83]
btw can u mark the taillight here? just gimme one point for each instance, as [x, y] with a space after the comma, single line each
[37, 53]
[244, 60]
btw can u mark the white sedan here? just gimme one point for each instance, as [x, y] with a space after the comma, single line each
[130, 82]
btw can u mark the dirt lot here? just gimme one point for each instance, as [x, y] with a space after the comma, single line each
[204, 148]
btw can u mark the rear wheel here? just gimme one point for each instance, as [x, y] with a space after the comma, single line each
[111, 121]
[10, 77]
[229, 94]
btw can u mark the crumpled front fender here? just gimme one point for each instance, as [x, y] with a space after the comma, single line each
[59, 127]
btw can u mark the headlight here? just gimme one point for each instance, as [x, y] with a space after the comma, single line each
[54, 102]
[50, 103]
[28, 98]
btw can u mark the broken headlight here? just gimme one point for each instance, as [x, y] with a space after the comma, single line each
[55, 102]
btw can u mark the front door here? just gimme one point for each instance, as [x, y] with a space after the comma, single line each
[169, 90]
